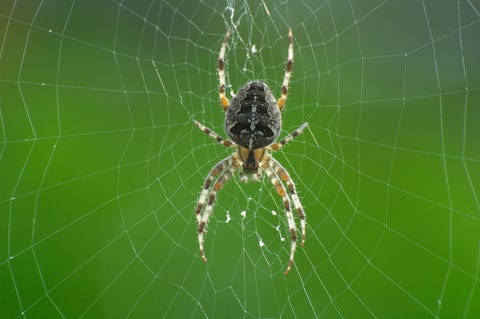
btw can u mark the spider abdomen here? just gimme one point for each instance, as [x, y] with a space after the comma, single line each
[253, 118]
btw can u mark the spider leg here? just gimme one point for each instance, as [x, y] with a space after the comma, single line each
[288, 138]
[221, 72]
[224, 170]
[217, 169]
[280, 188]
[288, 71]
[285, 177]
[213, 135]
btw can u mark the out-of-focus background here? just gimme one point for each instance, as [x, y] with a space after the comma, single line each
[101, 166]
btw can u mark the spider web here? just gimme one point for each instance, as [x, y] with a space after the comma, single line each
[101, 166]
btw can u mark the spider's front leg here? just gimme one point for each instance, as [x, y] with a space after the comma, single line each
[285, 177]
[224, 170]
[268, 167]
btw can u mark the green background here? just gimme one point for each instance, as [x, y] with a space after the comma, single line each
[101, 166]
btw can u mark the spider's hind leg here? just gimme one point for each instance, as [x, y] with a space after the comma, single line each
[212, 134]
[221, 72]
[288, 71]
[288, 138]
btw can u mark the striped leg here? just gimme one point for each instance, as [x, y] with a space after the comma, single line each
[288, 71]
[203, 219]
[213, 135]
[288, 138]
[221, 72]
[288, 212]
[285, 177]
[216, 170]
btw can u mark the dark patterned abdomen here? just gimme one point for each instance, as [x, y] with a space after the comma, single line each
[253, 119]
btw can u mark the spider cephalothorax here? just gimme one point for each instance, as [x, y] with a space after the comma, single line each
[253, 122]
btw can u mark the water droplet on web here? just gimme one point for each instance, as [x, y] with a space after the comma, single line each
[243, 213]
[261, 243]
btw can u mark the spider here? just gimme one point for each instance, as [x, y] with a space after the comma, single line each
[253, 123]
